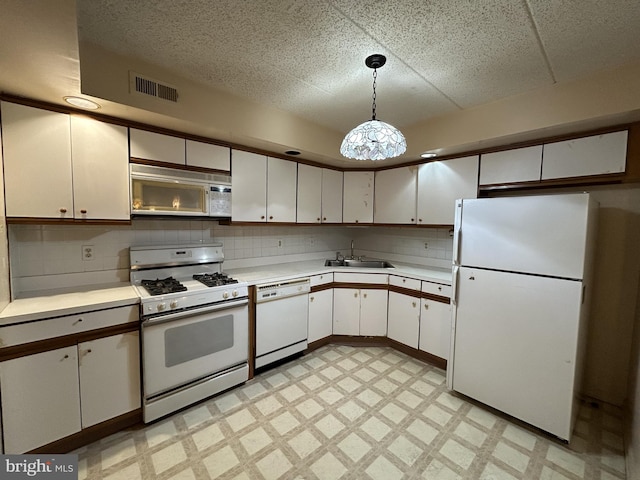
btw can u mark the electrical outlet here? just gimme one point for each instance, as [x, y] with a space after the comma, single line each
[279, 243]
[87, 252]
[426, 245]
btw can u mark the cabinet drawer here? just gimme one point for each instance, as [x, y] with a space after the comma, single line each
[323, 279]
[437, 289]
[373, 278]
[410, 283]
[67, 325]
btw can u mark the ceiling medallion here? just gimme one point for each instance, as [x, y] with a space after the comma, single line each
[373, 139]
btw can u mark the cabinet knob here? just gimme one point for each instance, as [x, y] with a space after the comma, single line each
[83, 211]
[311, 299]
[420, 220]
[404, 280]
[324, 218]
[356, 221]
[270, 217]
[78, 321]
[66, 356]
[426, 306]
[63, 210]
[413, 220]
[318, 219]
[355, 294]
[413, 304]
[261, 217]
[89, 351]
[440, 288]
[364, 295]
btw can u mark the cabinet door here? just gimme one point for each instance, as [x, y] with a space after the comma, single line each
[109, 377]
[358, 197]
[346, 311]
[440, 184]
[207, 155]
[248, 187]
[395, 195]
[373, 312]
[435, 328]
[595, 155]
[331, 196]
[309, 208]
[100, 160]
[281, 190]
[404, 319]
[320, 315]
[37, 162]
[509, 166]
[40, 399]
[155, 146]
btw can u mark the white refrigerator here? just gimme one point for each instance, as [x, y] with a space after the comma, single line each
[521, 286]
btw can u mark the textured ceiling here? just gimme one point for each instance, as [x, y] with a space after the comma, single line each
[307, 57]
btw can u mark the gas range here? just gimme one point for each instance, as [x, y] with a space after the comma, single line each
[175, 277]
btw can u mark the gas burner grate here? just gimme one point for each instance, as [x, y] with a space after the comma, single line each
[162, 286]
[214, 279]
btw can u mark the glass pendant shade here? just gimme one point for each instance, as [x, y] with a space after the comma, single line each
[373, 140]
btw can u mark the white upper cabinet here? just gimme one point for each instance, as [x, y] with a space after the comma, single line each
[100, 160]
[248, 187]
[281, 190]
[440, 183]
[510, 166]
[331, 196]
[263, 188]
[157, 147]
[37, 162]
[395, 195]
[595, 155]
[309, 209]
[207, 155]
[80, 163]
[358, 197]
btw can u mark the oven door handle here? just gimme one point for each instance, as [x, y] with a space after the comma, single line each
[195, 311]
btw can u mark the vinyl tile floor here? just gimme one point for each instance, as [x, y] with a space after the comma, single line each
[344, 412]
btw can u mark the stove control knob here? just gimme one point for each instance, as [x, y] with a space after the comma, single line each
[225, 295]
[161, 306]
[174, 304]
[234, 293]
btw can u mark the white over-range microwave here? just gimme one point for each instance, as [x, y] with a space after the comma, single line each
[168, 191]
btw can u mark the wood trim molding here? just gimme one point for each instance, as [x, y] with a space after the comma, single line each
[31, 348]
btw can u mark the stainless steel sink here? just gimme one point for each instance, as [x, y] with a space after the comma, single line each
[358, 263]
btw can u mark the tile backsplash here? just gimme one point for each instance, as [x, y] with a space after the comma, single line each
[57, 256]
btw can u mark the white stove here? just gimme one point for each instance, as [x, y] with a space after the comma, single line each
[170, 278]
[195, 325]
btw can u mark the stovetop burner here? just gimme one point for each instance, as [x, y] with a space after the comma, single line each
[214, 279]
[161, 287]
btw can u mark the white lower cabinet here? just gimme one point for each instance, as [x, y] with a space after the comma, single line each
[320, 315]
[40, 399]
[435, 328]
[51, 395]
[359, 312]
[109, 377]
[404, 319]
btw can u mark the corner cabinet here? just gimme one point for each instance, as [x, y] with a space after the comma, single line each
[440, 184]
[395, 195]
[332, 181]
[81, 164]
[358, 190]
[319, 195]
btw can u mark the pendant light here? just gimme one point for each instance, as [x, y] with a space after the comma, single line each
[373, 139]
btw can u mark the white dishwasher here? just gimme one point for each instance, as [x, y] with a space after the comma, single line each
[282, 313]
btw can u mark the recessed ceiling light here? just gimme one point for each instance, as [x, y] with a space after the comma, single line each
[428, 155]
[82, 103]
[292, 152]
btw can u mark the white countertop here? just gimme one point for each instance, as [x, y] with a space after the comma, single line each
[50, 304]
[56, 304]
[286, 271]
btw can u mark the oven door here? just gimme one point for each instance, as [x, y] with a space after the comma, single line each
[184, 347]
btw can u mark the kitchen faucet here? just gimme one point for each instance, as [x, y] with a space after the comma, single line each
[352, 250]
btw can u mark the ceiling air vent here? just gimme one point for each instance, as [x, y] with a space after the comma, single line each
[147, 86]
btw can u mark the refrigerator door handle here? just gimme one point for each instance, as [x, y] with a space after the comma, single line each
[454, 289]
[457, 233]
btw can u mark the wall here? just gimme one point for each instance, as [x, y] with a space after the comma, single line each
[4, 252]
[45, 257]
